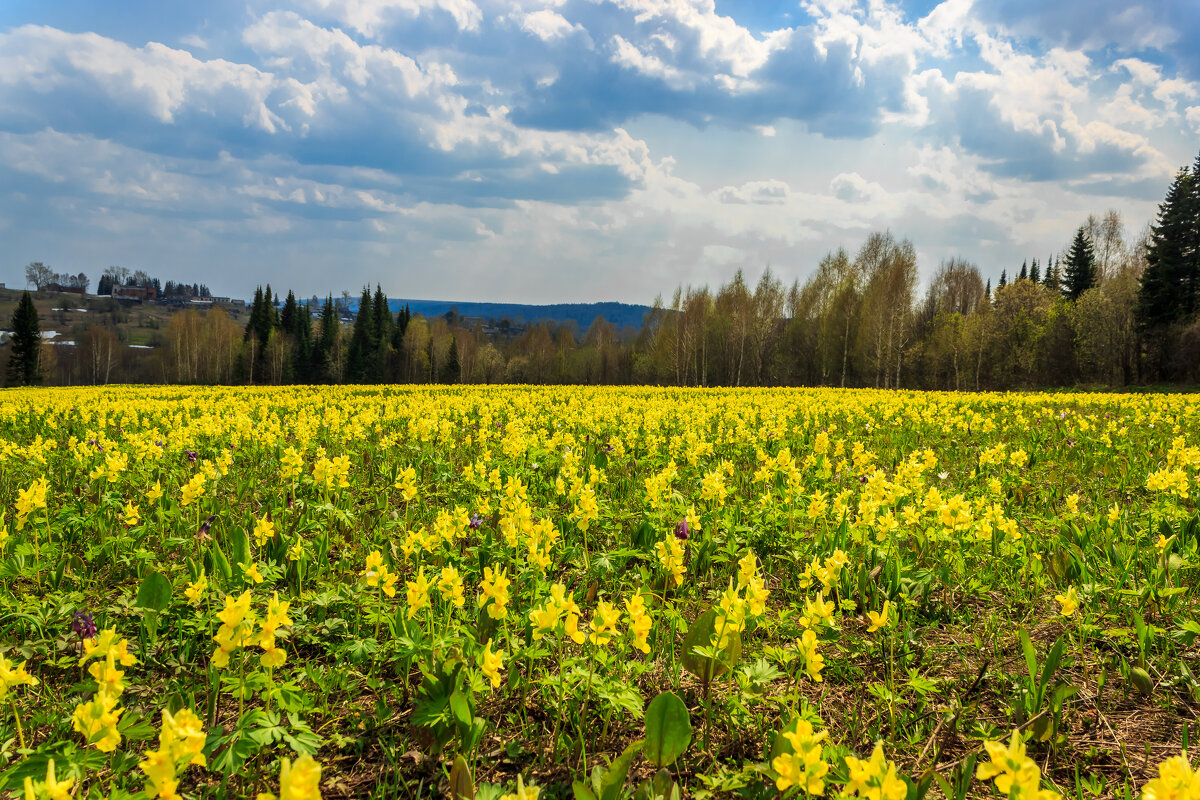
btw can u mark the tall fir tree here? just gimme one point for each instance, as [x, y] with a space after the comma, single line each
[23, 357]
[1035, 274]
[451, 371]
[1168, 288]
[381, 336]
[1024, 271]
[1003, 280]
[359, 355]
[323, 342]
[1079, 274]
[1053, 277]
[256, 311]
[287, 318]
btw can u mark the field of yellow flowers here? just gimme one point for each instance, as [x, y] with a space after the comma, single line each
[597, 593]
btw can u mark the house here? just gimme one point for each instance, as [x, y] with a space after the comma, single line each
[136, 293]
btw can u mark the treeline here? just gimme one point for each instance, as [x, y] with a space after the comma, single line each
[1104, 312]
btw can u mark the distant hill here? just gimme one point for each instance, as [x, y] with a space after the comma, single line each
[582, 314]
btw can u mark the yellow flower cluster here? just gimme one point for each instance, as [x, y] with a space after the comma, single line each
[1017, 775]
[98, 718]
[180, 742]
[802, 766]
[559, 607]
[238, 623]
[376, 574]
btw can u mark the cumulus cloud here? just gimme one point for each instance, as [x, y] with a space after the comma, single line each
[576, 137]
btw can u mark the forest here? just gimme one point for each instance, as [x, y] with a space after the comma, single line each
[1110, 310]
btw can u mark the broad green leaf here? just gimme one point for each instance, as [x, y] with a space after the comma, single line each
[668, 729]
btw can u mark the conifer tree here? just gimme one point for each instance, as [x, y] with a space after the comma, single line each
[1003, 280]
[451, 372]
[1035, 274]
[1053, 278]
[1024, 271]
[23, 361]
[359, 354]
[1168, 289]
[1079, 274]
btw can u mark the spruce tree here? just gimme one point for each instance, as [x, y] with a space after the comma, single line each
[256, 312]
[1080, 272]
[1034, 274]
[1053, 279]
[359, 355]
[287, 319]
[1024, 271]
[1003, 280]
[25, 343]
[1168, 288]
[451, 372]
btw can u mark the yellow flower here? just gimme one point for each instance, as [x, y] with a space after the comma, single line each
[3, 535]
[814, 662]
[251, 572]
[193, 490]
[130, 514]
[301, 780]
[523, 792]
[183, 736]
[1012, 769]
[195, 591]
[56, 789]
[106, 644]
[418, 594]
[159, 769]
[1176, 780]
[880, 619]
[803, 766]
[97, 721]
[264, 531]
[491, 663]
[292, 464]
[875, 778]
[450, 585]
[494, 592]
[604, 623]
[13, 676]
[639, 622]
[155, 494]
[107, 676]
[670, 555]
[1068, 601]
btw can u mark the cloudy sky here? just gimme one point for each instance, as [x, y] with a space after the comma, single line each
[575, 150]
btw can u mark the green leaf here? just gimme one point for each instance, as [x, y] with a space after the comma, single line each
[155, 592]
[461, 785]
[699, 636]
[1030, 655]
[239, 547]
[582, 791]
[614, 778]
[668, 729]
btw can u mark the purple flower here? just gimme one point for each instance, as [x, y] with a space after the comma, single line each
[203, 532]
[476, 522]
[83, 625]
[682, 531]
[191, 455]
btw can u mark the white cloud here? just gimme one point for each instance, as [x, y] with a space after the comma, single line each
[371, 17]
[549, 25]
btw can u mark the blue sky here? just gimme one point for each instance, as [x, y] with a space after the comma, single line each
[575, 150]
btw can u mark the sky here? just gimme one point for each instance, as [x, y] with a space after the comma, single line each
[576, 150]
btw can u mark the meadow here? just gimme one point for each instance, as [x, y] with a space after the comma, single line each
[597, 593]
